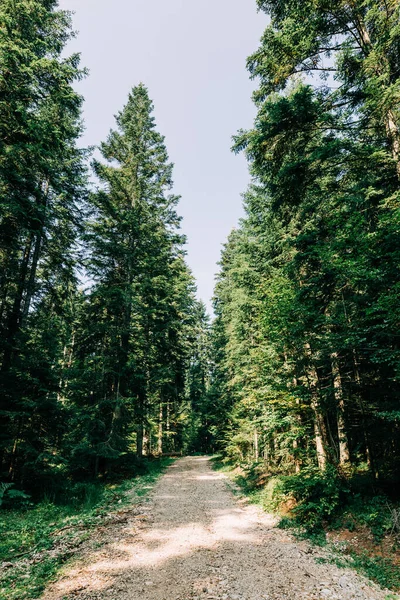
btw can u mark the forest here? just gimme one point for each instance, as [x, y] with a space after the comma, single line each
[108, 359]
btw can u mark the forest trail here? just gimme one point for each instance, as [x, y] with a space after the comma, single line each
[197, 541]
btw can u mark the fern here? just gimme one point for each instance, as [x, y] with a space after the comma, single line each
[3, 488]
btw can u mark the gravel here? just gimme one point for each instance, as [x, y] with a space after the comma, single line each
[194, 540]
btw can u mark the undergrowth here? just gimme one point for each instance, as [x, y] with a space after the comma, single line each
[36, 540]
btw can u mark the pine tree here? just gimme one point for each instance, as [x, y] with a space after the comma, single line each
[132, 346]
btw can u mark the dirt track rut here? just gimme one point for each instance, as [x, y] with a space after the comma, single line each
[197, 541]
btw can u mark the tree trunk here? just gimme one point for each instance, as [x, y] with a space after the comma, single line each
[368, 449]
[26, 288]
[256, 452]
[11, 469]
[160, 430]
[393, 134]
[320, 432]
[139, 440]
[391, 125]
[30, 287]
[146, 442]
[319, 436]
[296, 459]
[140, 425]
[168, 427]
[14, 318]
[266, 454]
[344, 453]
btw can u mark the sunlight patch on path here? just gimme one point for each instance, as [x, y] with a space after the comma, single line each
[195, 541]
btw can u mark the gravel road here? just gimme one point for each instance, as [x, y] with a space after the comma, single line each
[194, 540]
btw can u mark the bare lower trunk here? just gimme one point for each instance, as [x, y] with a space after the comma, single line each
[393, 135]
[296, 458]
[139, 440]
[160, 430]
[275, 449]
[297, 461]
[368, 450]
[320, 432]
[146, 442]
[68, 356]
[30, 288]
[168, 427]
[14, 319]
[140, 422]
[266, 455]
[344, 453]
[256, 452]
[295, 443]
[13, 458]
[319, 438]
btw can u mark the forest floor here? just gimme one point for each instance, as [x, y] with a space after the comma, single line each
[194, 539]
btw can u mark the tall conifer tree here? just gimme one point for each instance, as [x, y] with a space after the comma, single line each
[134, 341]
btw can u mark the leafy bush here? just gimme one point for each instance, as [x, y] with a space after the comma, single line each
[273, 493]
[372, 511]
[318, 496]
[381, 570]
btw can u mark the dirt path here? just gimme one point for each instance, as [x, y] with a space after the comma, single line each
[196, 541]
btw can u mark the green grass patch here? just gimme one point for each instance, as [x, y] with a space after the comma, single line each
[379, 569]
[36, 541]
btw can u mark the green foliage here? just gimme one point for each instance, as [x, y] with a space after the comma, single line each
[43, 188]
[373, 511]
[89, 379]
[200, 425]
[10, 497]
[318, 496]
[136, 327]
[3, 489]
[306, 352]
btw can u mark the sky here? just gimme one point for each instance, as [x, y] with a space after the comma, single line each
[192, 57]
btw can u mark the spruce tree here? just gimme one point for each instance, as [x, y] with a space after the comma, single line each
[133, 340]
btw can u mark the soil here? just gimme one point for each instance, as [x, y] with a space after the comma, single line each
[361, 541]
[193, 539]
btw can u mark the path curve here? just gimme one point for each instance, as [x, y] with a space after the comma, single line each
[196, 541]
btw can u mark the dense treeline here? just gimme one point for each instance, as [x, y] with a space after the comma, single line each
[99, 326]
[106, 355]
[306, 337]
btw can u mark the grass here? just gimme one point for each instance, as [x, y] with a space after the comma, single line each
[36, 541]
[367, 516]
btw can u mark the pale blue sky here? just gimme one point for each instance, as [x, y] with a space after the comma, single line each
[191, 55]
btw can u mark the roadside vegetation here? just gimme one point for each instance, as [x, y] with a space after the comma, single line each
[358, 522]
[37, 540]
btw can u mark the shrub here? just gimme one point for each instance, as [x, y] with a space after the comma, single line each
[318, 496]
[273, 493]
